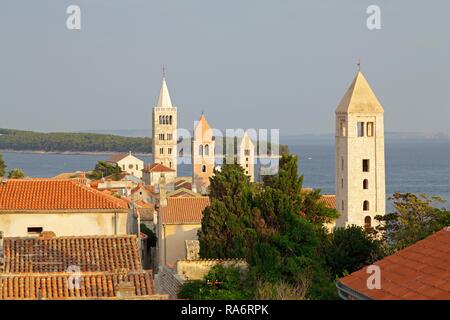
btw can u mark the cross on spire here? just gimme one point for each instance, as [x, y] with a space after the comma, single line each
[164, 71]
[359, 64]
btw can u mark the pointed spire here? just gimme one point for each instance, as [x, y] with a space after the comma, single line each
[202, 130]
[359, 98]
[164, 96]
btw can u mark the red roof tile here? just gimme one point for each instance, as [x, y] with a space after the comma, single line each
[329, 200]
[53, 194]
[411, 273]
[56, 286]
[181, 210]
[157, 167]
[89, 253]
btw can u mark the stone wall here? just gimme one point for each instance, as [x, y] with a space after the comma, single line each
[197, 269]
[169, 281]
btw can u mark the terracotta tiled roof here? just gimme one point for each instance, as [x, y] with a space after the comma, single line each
[52, 194]
[157, 167]
[184, 210]
[420, 271]
[329, 200]
[117, 157]
[92, 285]
[89, 253]
[183, 192]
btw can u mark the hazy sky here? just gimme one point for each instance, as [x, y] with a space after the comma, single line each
[260, 64]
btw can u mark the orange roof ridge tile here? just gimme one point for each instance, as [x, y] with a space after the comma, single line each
[54, 194]
[420, 271]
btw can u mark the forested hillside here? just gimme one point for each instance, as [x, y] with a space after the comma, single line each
[77, 142]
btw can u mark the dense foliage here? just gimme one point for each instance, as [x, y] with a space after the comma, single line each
[219, 284]
[103, 169]
[16, 173]
[351, 248]
[269, 227]
[77, 142]
[2, 166]
[414, 218]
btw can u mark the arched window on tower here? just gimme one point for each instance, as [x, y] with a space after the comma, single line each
[365, 184]
[207, 150]
[160, 120]
[200, 150]
[170, 119]
[366, 205]
[203, 168]
[167, 119]
[367, 222]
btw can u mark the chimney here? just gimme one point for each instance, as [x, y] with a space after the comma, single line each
[47, 235]
[124, 289]
[162, 191]
[2, 257]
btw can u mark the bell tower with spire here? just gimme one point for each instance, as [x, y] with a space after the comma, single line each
[203, 156]
[360, 163]
[164, 129]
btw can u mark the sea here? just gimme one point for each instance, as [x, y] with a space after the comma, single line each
[411, 166]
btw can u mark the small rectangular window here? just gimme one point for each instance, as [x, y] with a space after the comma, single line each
[342, 163]
[343, 129]
[161, 150]
[35, 230]
[370, 129]
[360, 129]
[169, 151]
[365, 165]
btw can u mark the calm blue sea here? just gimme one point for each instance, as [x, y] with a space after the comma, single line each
[411, 166]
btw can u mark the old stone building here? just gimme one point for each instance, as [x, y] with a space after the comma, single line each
[360, 167]
[246, 156]
[65, 207]
[203, 156]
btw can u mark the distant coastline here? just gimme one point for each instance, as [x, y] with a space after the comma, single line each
[92, 153]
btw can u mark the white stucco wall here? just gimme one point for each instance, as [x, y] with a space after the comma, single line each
[172, 245]
[64, 224]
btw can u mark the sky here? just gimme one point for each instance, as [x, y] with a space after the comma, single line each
[246, 64]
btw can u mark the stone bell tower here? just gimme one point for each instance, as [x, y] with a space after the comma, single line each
[164, 130]
[360, 162]
[203, 156]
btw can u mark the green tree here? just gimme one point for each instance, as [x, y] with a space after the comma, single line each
[104, 169]
[152, 239]
[16, 173]
[221, 283]
[351, 248]
[2, 167]
[266, 228]
[227, 223]
[414, 218]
